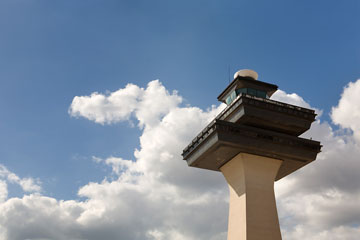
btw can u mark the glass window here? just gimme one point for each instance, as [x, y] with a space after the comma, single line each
[261, 94]
[233, 96]
[228, 100]
[241, 90]
[251, 92]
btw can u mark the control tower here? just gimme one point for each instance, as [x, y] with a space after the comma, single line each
[253, 142]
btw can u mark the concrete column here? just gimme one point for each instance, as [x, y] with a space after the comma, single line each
[252, 210]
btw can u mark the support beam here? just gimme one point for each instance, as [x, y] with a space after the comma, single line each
[252, 210]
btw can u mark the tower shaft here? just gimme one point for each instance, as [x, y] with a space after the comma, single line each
[252, 209]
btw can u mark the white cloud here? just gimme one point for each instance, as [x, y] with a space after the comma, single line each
[292, 98]
[338, 233]
[27, 184]
[148, 104]
[322, 201]
[157, 196]
[118, 165]
[107, 109]
[347, 112]
[152, 198]
[154, 103]
[3, 191]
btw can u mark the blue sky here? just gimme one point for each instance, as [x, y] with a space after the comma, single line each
[52, 51]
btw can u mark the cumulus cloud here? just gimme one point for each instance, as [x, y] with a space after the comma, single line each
[118, 165]
[347, 112]
[102, 109]
[293, 99]
[147, 104]
[152, 196]
[3, 191]
[155, 196]
[27, 184]
[322, 201]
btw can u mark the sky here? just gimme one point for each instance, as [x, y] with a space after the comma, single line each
[99, 98]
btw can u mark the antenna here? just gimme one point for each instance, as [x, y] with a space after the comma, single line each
[229, 72]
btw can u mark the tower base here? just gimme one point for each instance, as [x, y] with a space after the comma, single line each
[252, 209]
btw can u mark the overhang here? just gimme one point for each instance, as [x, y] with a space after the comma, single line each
[220, 141]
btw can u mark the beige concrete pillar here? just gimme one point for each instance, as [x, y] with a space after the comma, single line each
[252, 210]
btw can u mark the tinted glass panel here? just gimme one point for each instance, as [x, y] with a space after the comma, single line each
[261, 94]
[228, 100]
[241, 90]
[251, 91]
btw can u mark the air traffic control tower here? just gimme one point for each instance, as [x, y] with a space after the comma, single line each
[253, 142]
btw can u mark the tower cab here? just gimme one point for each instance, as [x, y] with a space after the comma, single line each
[245, 82]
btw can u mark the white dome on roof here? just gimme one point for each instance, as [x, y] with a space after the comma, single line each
[246, 73]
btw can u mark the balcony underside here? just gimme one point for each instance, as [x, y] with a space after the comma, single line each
[223, 140]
